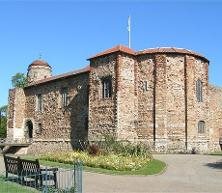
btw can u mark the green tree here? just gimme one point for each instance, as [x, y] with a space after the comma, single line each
[19, 80]
[3, 121]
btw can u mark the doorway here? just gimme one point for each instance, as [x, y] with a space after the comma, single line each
[29, 129]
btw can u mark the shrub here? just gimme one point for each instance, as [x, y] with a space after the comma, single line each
[125, 148]
[93, 150]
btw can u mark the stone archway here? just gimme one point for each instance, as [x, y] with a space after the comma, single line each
[29, 129]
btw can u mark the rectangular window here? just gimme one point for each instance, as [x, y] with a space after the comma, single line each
[39, 103]
[201, 127]
[39, 128]
[145, 86]
[107, 87]
[199, 90]
[64, 97]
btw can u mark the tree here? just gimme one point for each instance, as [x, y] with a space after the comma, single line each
[3, 109]
[19, 80]
[3, 121]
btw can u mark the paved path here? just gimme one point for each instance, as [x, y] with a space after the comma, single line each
[184, 174]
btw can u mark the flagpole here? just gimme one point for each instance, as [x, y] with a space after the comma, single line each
[129, 32]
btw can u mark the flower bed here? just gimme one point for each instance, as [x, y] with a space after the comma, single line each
[110, 161]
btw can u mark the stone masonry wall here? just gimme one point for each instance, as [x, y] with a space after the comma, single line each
[145, 73]
[175, 102]
[58, 122]
[215, 117]
[126, 99]
[36, 73]
[153, 100]
[160, 102]
[46, 146]
[102, 111]
[197, 111]
[170, 99]
[11, 107]
[16, 113]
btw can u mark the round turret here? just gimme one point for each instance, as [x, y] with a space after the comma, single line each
[38, 70]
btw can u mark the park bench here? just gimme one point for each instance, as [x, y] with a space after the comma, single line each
[23, 168]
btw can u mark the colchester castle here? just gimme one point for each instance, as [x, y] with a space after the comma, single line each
[159, 96]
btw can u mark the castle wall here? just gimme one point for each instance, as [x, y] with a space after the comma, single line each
[175, 102]
[16, 113]
[126, 99]
[145, 85]
[167, 111]
[36, 73]
[102, 111]
[153, 100]
[11, 115]
[215, 117]
[197, 111]
[169, 102]
[160, 136]
[58, 122]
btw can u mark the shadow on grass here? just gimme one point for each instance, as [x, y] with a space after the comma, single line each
[215, 165]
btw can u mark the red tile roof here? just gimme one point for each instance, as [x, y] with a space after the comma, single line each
[124, 49]
[171, 50]
[61, 76]
[39, 63]
[118, 48]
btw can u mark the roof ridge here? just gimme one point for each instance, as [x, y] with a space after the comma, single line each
[170, 50]
[116, 48]
[63, 75]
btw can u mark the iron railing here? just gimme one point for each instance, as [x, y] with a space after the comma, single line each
[67, 181]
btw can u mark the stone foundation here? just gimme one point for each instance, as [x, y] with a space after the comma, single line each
[49, 146]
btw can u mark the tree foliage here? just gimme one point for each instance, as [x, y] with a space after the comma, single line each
[3, 109]
[3, 121]
[19, 80]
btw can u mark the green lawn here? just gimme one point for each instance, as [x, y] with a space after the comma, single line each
[153, 167]
[12, 187]
[216, 153]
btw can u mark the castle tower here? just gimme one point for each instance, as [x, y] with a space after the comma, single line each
[38, 70]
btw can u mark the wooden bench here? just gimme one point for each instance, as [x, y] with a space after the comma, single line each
[29, 169]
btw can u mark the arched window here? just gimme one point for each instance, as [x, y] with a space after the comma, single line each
[201, 127]
[199, 90]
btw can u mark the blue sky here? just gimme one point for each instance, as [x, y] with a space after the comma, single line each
[69, 32]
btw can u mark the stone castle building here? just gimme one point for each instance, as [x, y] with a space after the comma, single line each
[159, 96]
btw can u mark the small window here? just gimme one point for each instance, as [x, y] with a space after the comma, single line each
[145, 86]
[107, 87]
[199, 91]
[39, 103]
[64, 97]
[201, 127]
[39, 128]
[86, 123]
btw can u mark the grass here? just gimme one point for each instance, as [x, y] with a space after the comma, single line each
[215, 153]
[153, 167]
[12, 187]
